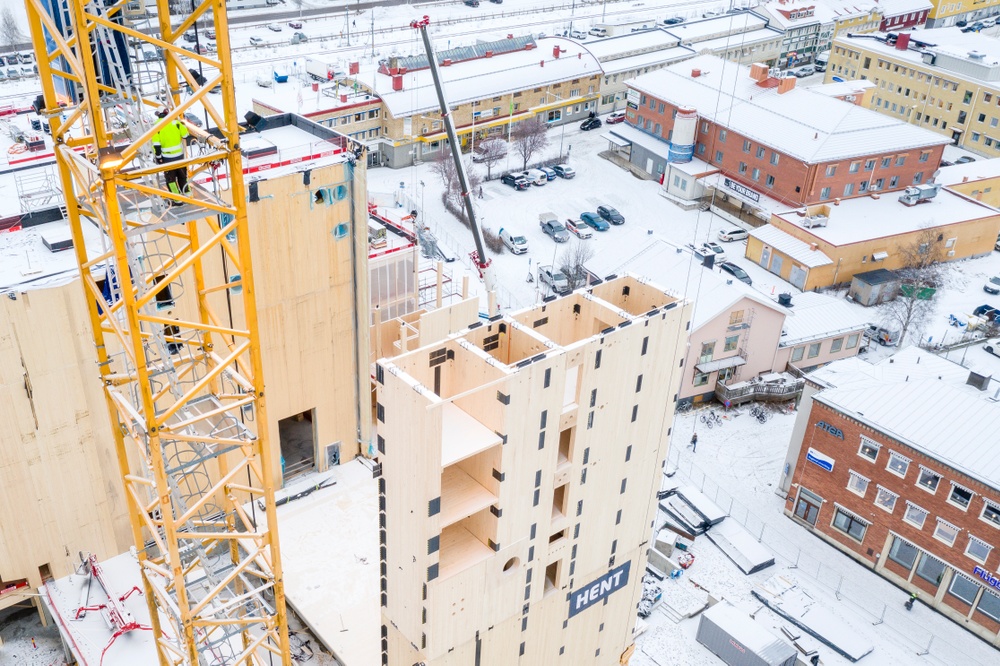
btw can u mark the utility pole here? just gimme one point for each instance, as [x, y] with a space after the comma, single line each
[347, 23]
[479, 255]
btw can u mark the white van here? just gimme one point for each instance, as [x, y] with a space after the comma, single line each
[514, 240]
[599, 32]
[535, 176]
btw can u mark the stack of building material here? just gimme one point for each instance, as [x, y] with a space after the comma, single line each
[741, 547]
[692, 510]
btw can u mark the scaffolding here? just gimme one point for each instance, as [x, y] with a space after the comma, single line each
[178, 380]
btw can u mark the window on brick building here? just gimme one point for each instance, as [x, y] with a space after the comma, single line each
[746, 145]
[849, 523]
[743, 167]
[915, 515]
[960, 496]
[808, 506]
[989, 605]
[869, 165]
[869, 448]
[722, 136]
[991, 514]
[903, 553]
[894, 181]
[886, 162]
[963, 588]
[831, 170]
[770, 181]
[704, 128]
[978, 549]
[917, 177]
[755, 174]
[824, 193]
[924, 156]
[886, 499]
[701, 149]
[898, 464]
[930, 569]
[854, 167]
[760, 152]
[848, 189]
[774, 157]
[718, 156]
[857, 483]
[945, 532]
[928, 479]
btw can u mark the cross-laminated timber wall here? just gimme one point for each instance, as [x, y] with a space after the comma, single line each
[521, 460]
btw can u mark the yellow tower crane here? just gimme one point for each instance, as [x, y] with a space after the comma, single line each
[180, 380]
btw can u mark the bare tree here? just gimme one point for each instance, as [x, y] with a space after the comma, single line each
[572, 263]
[10, 31]
[490, 152]
[911, 307]
[529, 137]
[444, 167]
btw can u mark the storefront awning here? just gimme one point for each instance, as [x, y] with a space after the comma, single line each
[616, 140]
[720, 364]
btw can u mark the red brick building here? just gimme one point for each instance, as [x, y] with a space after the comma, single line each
[896, 465]
[790, 144]
[902, 14]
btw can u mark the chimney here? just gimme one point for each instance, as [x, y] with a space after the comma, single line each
[758, 72]
[965, 179]
[695, 73]
[786, 84]
[903, 41]
[446, 62]
[510, 35]
[397, 82]
[489, 54]
[555, 51]
[813, 246]
[541, 63]
[836, 202]
[343, 96]
[876, 195]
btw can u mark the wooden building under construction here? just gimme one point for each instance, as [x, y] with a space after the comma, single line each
[59, 480]
[505, 448]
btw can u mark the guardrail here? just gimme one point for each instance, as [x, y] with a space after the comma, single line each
[751, 391]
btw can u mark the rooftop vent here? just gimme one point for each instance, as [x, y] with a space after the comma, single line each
[981, 382]
[977, 56]
[917, 194]
[811, 221]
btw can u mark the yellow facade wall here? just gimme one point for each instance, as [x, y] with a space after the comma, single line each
[986, 190]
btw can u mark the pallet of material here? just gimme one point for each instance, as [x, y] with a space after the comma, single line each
[740, 546]
[681, 512]
[706, 508]
[785, 597]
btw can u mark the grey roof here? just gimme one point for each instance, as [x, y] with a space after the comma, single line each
[788, 244]
[877, 276]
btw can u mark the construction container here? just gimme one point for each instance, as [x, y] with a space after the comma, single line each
[738, 640]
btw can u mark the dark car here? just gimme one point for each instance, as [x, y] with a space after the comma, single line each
[987, 312]
[590, 123]
[295, 25]
[517, 181]
[497, 2]
[673, 21]
[736, 272]
[965, 159]
[594, 220]
[564, 171]
[611, 215]
[472, 3]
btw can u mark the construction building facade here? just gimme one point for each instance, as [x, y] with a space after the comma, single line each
[504, 448]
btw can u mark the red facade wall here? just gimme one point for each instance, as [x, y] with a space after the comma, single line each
[901, 22]
[795, 182]
[832, 487]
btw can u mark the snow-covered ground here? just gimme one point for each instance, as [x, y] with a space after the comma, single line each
[739, 465]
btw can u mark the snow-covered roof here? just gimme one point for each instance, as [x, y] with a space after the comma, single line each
[822, 11]
[789, 245]
[647, 59]
[629, 44]
[949, 41]
[909, 363]
[839, 89]
[740, 41]
[814, 316]
[746, 631]
[718, 26]
[898, 7]
[653, 144]
[969, 172]
[498, 76]
[675, 268]
[801, 123]
[864, 218]
[25, 262]
[951, 423]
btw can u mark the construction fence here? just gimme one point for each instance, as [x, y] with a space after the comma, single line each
[863, 602]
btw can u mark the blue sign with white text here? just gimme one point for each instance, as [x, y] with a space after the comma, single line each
[603, 587]
[820, 459]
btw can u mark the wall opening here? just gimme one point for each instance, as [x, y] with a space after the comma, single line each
[298, 444]
[552, 577]
[565, 446]
[559, 500]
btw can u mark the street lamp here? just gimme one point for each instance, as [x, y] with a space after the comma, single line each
[562, 134]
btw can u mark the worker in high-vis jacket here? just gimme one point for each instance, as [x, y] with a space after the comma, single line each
[168, 146]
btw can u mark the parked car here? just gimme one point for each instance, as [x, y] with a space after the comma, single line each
[578, 229]
[965, 159]
[673, 20]
[590, 123]
[881, 335]
[535, 177]
[973, 27]
[210, 34]
[514, 240]
[549, 172]
[611, 215]
[595, 221]
[27, 58]
[711, 13]
[734, 234]
[497, 2]
[295, 25]
[553, 227]
[555, 279]
[578, 34]
[13, 73]
[716, 249]
[598, 32]
[256, 41]
[564, 171]
[274, 27]
[189, 36]
[987, 312]
[736, 272]
[298, 38]
[193, 119]
[615, 118]
[992, 346]
[805, 70]
[472, 3]
[515, 180]
[992, 285]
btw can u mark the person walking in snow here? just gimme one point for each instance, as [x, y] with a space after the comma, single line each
[694, 443]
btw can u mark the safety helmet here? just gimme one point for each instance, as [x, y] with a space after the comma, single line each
[162, 112]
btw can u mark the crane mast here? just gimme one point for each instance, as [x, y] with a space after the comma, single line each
[483, 264]
[179, 378]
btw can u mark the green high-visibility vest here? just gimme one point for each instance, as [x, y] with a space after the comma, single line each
[170, 139]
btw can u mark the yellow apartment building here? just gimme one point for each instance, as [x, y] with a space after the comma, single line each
[951, 85]
[947, 13]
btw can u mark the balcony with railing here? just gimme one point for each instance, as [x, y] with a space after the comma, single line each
[769, 387]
